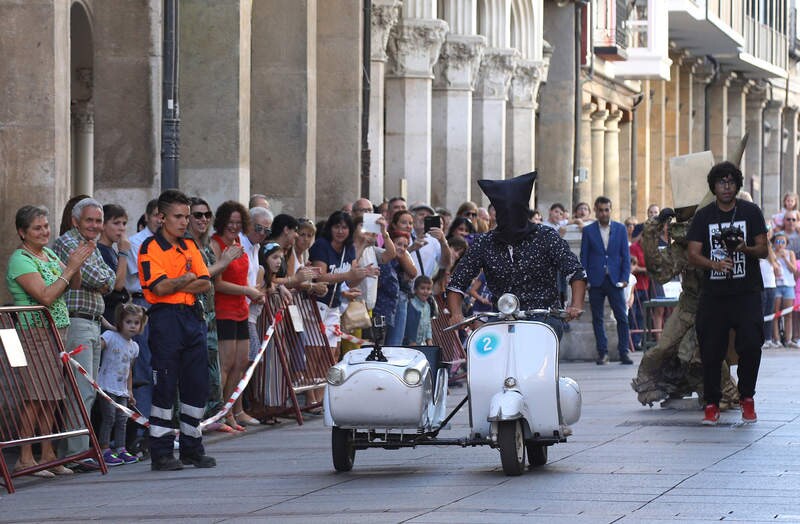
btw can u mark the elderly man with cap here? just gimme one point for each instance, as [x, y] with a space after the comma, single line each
[518, 256]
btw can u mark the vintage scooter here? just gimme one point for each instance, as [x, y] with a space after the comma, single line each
[392, 397]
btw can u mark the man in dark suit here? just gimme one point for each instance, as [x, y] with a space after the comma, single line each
[606, 257]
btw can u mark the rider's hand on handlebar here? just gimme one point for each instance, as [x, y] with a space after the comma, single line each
[572, 313]
[456, 317]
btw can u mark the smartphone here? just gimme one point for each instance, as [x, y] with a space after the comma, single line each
[433, 221]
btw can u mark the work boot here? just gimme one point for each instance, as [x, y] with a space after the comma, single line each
[165, 463]
[199, 461]
[748, 410]
[711, 415]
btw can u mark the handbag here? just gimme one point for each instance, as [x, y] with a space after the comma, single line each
[356, 316]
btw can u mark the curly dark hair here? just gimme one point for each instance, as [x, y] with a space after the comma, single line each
[224, 212]
[336, 218]
[722, 170]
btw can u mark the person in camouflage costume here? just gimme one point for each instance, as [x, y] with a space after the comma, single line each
[672, 368]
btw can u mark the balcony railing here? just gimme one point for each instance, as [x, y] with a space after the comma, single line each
[729, 12]
[611, 35]
[766, 43]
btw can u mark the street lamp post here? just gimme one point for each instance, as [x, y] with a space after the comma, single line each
[170, 114]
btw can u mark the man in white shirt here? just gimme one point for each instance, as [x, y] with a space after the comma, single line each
[434, 253]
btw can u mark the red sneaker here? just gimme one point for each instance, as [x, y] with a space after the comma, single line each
[712, 415]
[748, 410]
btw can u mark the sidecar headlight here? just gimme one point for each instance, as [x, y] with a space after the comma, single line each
[412, 377]
[335, 376]
[508, 304]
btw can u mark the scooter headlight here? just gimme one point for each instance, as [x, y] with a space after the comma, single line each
[510, 382]
[335, 376]
[412, 377]
[508, 304]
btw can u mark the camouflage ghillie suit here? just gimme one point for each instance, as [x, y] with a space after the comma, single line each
[672, 368]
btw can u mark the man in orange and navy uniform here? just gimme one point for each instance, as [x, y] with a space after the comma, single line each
[172, 271]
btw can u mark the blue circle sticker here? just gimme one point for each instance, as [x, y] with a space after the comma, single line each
[486, 343]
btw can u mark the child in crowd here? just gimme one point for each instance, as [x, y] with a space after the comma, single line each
[418, 321]
[119, 352]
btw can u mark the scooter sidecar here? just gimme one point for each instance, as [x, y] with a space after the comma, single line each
[371, 403]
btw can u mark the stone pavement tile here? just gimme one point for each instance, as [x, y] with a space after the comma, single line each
[712, 510]
[482, 517]
[351, 517]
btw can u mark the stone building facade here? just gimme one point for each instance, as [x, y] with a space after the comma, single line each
[272, 99]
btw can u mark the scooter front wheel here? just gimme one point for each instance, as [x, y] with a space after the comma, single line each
[537, 454]
[342, 449]
[512, 447]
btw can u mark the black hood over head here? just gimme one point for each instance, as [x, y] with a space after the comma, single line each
[510, 199]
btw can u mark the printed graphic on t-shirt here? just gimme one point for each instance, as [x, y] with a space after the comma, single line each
[718, 252]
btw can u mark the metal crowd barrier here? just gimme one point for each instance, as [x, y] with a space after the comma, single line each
[298, 359]
[453, 351]
[39, 398]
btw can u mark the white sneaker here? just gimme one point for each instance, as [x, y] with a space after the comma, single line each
[776, 344]
[792, 344]
[767, 345]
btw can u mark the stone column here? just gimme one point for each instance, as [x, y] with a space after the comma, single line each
[385, 14]
[339, 82]
[789, 178]
[555, 141]
[611, 182]
[584, 187]
[643, 151]
[754, 150]
[737, 115]
[82, 148]
[414, 47]
[215, 137]
[770, 177]
[718, 121]
[658, 138]
[455, 74]
[686, 109]
[597, 177]
[489, 116]
[625, 192]
[521, 119]
[284, 105]
[672, 114]
[703, 73]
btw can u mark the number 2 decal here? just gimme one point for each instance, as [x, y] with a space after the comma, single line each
[486, 344]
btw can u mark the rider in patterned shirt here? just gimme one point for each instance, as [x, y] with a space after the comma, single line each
[518, 256]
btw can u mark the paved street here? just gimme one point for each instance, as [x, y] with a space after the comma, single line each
[625, 463]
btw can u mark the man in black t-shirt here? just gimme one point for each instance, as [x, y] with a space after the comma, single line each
[726, 238]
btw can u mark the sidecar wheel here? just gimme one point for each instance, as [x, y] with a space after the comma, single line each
[342, 449]
[537, 454]
[512, 447]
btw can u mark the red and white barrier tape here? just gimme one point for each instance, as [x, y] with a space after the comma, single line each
[247, 375]
[133, 415]
[350, 338]
[141, 419]
[781, 313]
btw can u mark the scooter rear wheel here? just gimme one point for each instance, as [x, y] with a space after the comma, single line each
[342, 449]
[512, 447]
[537, 454]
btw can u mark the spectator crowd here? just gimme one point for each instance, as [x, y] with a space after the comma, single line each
[393, 257]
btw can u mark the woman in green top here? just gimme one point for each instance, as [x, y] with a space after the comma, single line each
[37, 277]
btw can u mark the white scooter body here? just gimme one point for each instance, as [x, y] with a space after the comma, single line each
[527, 352]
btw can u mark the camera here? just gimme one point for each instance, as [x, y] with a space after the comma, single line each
[730, 237]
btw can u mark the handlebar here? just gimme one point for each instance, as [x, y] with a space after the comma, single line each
[519, 315]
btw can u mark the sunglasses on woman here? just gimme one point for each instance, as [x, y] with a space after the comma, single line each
[198, 215]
